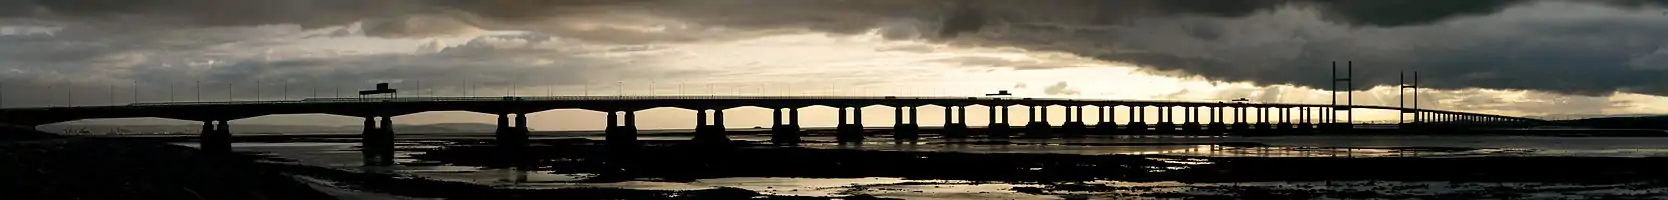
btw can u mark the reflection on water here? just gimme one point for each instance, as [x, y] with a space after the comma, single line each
[1188, 151]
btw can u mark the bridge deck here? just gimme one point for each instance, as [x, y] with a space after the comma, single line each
[407, 105]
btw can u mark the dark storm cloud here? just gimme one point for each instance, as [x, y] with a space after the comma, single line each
[1570, 47]
[1550, 45]
[1407, 12]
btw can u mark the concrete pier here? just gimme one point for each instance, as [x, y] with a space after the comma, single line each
[850, 132]
[1190, 121]
[1038, 127]
[1241, 127]
[712, 133]
[215, 139]
[622, 136]
[1216, 127]
[785, 134]
[1165, 125]
[1106, 126]
[1137, 120]
[955, 126]
[998, 127]
[906, 131]
[377, 144]
[1074, 127]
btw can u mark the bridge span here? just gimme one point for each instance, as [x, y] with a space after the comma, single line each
[621, 129]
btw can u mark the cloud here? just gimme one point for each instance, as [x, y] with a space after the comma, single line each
[1592, 50]
[1593, 47]
[1060, 89]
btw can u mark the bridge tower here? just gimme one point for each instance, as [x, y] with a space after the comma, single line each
[1349, 97]
[1401, 100]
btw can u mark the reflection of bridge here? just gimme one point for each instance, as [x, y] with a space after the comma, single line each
[622, 126]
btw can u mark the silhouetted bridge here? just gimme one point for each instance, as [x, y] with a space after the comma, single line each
[621, 129]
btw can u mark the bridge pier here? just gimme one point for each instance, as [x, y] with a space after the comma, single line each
[711, 133]
[622, 137]
[1240, 125]
[511, 140]
[1190, 121]
[1263, 127]
[1166, 122]
[1285, 126]
[902, 131]
[215, 139]
[955, 126]
[377, 144]
[1038, 128]
[1137, 120]
[1303, 120]
[998, 127]
[1074, 127]
[1216, 127]
[1105, 124]
[850, 132]
[785, 134]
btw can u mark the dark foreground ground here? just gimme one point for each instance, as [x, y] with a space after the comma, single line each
[37, 165]
[1063, 175]
[145, 169]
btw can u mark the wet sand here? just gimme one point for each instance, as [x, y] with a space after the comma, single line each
[1096, 167]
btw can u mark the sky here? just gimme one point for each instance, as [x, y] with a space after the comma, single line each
[1539, 58]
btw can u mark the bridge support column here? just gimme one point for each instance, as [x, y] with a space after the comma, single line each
[622, 137]
[378, 142]
[512, 140]
[785, 134]
[1285, 125]
[710, 133]
[1105, 124]
[955, 126]
[215, 139]
[1303, 118]
[998, 127]
[1263, 126]
[1190, 121]
[906, 131]
[1216, 126]
[1240, 125]
[850, 132]
[1166, 121]
[1038, 127]
[1137, 120]
[1074, 126]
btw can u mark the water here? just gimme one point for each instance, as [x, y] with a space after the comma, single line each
[1184, 152]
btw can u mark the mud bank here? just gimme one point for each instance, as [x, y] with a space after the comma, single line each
[42, 166]
[678, 161]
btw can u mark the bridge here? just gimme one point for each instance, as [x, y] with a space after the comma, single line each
[621, 130]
